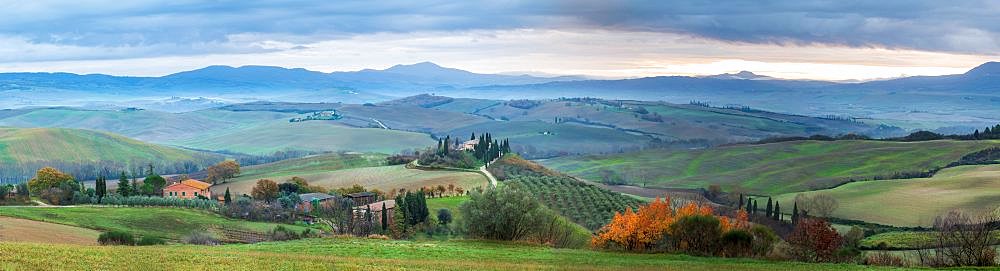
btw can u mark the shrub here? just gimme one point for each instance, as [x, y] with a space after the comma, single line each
[737, 243]
[763, 240]
[505, 213]
[280, 233]
[116, 238]
[200, 238]
[696, 234]
[151, 241]
[883, 258]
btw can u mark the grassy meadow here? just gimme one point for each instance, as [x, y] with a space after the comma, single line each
[369, 254]
[169, 223]
[773, 168]
[915, 202]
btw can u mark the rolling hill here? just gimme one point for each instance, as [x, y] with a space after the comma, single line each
[915, 202]
[770, 169]
[336, 170]
[82, 152]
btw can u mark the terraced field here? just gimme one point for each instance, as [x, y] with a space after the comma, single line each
[770, 169]
[384, 178]
[370, 254]
[915, 202]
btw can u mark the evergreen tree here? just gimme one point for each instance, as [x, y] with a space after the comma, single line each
[769, 208]
[473, 136]
[749, 207]
[777, 211]
[755, 206]
[795, 213]
[741, 202]
[385, 218]
[100, 187]
[229, 197]
[123, 188]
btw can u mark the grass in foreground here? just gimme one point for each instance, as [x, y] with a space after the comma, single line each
[915, 202]
[368, 254]
[771, 168]
[170, 223]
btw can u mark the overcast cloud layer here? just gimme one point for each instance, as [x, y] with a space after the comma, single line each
[48, 34]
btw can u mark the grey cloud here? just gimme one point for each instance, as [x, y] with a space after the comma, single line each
[198, 27]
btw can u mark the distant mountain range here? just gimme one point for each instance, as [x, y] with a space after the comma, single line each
[948, 94]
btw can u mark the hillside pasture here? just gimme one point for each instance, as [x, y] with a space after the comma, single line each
[915, 202]
[370, 254]
[773, 168]
[384, 178]
[24, 230]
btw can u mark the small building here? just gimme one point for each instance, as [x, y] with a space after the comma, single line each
[321, 197]
[188, 189]
[362, 198]
[469, 145]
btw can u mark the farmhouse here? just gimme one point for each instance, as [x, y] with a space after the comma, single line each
[188, 189]
[362, 198]
[469, 145]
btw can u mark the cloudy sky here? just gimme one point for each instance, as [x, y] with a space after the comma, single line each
[835, 40]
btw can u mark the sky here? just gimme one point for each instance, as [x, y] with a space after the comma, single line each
[805, 39]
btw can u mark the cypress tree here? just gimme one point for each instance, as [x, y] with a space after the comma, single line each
[100, 188]
[755, 206]
[447, 144]
[228, 198]
[741, 202]
[749, 207]
[795, 212]
[473, 136]
[777, 211]
[123, 188]
[385, 218]
[769, 208]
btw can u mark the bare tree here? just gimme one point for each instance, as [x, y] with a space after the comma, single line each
[804, 202]
[964, 240]
[823, 205]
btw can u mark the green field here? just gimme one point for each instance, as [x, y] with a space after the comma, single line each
[905, 240]
[915, 202]
[384, 178]
[83, 146]
[271, 136]
[368, 254]
[169, 223]
[543, 139]
[451, 203]
[774, 168]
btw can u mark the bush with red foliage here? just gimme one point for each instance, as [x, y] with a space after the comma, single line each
[814, 240]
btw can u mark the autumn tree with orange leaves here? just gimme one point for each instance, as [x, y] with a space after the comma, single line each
[646, 227]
